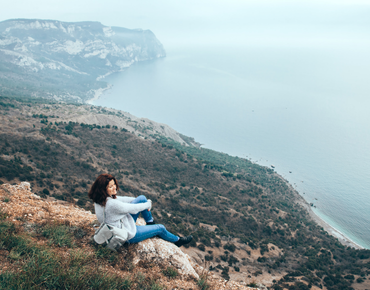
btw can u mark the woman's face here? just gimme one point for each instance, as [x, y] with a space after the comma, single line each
[111, 188]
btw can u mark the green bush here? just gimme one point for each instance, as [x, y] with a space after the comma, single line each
[360, 280]
[230, 247]
[170, 272]
[208, 257]
[203, 282]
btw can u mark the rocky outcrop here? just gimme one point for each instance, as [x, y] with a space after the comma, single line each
[67, 60]
[21, 205]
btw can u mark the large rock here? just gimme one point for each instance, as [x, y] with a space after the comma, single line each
[162, 252]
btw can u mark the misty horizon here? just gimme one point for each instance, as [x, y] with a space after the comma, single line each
[247, 23]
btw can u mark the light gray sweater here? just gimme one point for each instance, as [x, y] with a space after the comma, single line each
[117, 212]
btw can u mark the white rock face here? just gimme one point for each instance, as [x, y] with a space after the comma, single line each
[53, 50]
[108, 31]
[71, 47]
[83, 39]
[26, 185]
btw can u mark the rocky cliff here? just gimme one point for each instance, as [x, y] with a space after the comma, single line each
[68, 60]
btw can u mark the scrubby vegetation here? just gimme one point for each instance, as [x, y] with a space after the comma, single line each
[232, 207]
[61, 263]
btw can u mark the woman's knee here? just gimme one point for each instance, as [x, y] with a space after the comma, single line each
[141, 198]
[161, 228]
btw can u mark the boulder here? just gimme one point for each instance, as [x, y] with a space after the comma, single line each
[156, 250]
[163, 252]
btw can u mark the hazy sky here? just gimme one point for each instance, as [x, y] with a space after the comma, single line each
[211, 20]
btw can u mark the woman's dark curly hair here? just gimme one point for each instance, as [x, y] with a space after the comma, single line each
[98, 191]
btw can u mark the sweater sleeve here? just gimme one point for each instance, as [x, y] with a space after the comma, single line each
[116, 207]
[127, 199]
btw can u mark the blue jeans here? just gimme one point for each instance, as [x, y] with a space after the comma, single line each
[146, 232]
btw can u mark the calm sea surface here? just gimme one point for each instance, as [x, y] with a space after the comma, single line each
[305, 111]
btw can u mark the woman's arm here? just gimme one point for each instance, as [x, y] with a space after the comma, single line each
[127, 199]
[117, 207]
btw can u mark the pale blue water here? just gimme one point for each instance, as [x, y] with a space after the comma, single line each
[302, 110]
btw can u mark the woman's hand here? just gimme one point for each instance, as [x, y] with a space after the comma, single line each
[150, 207]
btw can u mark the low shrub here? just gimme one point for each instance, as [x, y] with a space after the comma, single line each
[170, 272]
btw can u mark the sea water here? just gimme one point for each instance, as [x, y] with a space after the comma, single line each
[304, 111]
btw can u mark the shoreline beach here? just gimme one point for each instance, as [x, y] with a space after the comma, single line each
[343, 239]
[98, 93]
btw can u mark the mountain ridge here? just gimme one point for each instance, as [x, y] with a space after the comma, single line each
[67, 61]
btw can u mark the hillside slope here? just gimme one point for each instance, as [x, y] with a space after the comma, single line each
[248, 223]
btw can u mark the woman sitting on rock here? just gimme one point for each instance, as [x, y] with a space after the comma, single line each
[124, 211]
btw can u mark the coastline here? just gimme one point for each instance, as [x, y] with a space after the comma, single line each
[97, 93]
[343, 239]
